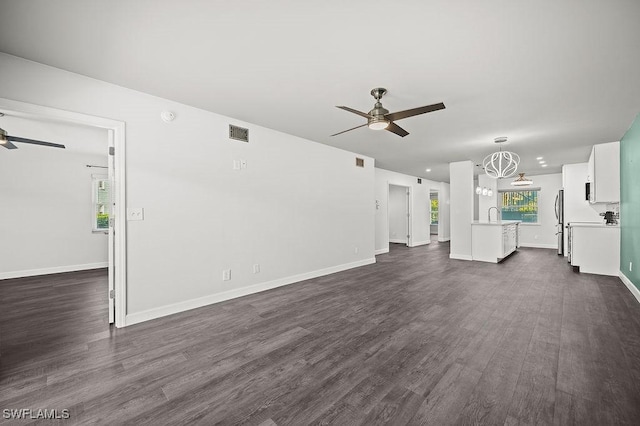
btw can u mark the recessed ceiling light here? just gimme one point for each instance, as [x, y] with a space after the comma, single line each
[428, 170]
[544, 165]
[539, 158]
[541, 161]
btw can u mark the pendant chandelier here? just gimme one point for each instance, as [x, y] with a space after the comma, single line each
[484, 191]
[522, 181]
[501, 164]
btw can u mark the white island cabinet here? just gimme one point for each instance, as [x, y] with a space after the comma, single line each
[493, 241]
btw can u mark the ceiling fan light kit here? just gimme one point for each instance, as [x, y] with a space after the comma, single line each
[378, 123]
[501, 164]
[379, 117]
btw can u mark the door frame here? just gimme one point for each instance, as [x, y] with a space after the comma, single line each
[409, 210]
[43, 113]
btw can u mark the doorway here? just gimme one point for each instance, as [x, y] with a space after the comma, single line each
[434, 224]
[114, 158]
[399, 208]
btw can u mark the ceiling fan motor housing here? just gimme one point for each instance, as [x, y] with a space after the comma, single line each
[376, 119]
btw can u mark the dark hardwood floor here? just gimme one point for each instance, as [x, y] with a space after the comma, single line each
[415, 339]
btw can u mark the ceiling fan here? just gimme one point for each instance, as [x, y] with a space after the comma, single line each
[380, 118]
[5, 140]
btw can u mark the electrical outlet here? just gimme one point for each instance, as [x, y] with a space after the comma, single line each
[630, 266]
[356, 250]
[256, 268]
[236, 165]
[135, 213]
[226, 275]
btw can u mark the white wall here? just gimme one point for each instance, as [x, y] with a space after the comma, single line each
[420, 207]
[485, 202]
[542, 235]
[462, 206]
[46, 202]
[398, 209]
[299, 209]
[576, 208]
[476, 203]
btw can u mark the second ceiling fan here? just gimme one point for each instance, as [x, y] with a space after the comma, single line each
[380, 118]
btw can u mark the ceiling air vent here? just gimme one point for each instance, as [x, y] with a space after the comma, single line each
[238, 133]
[359, 162]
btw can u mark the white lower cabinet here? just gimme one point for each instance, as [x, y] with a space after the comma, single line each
[493, 241]
[595, 249]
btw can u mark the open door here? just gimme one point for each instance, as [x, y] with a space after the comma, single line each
[434, 207]
[398, 213]
[111, 250]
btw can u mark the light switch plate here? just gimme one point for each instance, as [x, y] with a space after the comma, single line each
[226, 275]
[135, 213]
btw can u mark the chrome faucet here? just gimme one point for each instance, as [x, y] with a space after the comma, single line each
[489, 213]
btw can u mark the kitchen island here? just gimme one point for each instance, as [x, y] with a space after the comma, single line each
[494, 241]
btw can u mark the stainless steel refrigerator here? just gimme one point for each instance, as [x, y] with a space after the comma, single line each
[560, 218]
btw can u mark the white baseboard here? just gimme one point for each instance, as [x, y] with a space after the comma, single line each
[421, 243]
[52, 270]
[186, 305]
[443, 240]
[632, 288]
[382, 251]
[545, 246]
[398, 240]
[460, 256]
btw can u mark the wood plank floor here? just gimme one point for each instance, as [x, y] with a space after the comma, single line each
[415, 339]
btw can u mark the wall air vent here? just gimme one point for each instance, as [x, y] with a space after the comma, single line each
[419, 180]
[238, 133]
[359, 162]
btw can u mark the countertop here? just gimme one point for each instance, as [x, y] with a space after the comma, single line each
[593, 225]
[498, 223]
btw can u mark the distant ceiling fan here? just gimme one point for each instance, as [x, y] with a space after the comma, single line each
[380, 118]
[5, 140]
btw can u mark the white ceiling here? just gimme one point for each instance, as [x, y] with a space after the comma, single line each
[554, 76]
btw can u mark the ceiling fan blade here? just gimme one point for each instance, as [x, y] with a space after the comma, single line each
[34, 142]
[8, 145]
[394, 116]
[394, 128]
[348, 130]
[355, 111]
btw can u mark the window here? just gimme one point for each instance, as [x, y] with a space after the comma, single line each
[101, 200]
[520, 205]
[434, 211]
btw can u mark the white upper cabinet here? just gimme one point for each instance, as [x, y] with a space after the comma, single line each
[604, 173]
